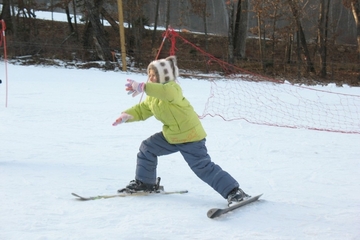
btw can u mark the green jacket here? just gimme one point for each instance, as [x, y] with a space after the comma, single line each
[167, 104]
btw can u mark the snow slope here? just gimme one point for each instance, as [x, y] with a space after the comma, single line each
[56, 138]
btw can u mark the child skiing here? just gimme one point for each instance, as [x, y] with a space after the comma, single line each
[181, 132]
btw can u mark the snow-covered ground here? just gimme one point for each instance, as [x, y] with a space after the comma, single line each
[56, 138]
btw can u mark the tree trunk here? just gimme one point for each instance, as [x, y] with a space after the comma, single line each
[204, 17]
[155, 23]
[67, 11]
[275, 14]
[241, 27]
[321, 39]
[355, 7]
[6, 15]
[138, 32]
[101, 43]
[237, 26]
[75, 21]
[309, 63]
[261, 41]
[289, 48]
[110, 19]
[206, 32]
[231, 32]
[167, 21]
[298, 55]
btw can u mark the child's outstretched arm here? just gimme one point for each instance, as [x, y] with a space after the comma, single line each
[123, 118]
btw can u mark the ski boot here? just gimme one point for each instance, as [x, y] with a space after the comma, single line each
[236, 195]
[138, 186]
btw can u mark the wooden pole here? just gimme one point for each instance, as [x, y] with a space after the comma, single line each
[122, 35]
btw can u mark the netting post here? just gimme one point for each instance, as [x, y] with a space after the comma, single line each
[3, 43]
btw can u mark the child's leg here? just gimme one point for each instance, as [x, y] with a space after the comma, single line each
[200, 162]
[147, 160]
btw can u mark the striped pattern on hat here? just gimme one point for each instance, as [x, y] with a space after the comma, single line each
[165, 69]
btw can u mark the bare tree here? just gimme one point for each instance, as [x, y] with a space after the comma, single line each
[259, 9]
[322, 34]
[6, 15]
[274, 16]
[110, 19]
[355, 8]
[98, 34]
[167, 21]
[75, 19]
[241, 28]
[25, 23]
[230, 8]
[136, 21]
[199, 8]
[295, 11]
[65, 5]
[155, 23]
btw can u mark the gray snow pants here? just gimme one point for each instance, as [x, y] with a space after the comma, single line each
[194, 153]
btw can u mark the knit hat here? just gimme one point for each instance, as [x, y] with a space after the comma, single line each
[165, 69]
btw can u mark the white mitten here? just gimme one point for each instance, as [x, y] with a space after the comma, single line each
[134, 87]
[123, 118]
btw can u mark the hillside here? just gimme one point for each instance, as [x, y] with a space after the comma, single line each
[52, 42]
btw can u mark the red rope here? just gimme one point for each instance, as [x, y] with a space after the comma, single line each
[164, 35]
[227, 67]
[172, 37]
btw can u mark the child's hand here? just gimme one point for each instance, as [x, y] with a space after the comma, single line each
[134, 88]
[123, 118]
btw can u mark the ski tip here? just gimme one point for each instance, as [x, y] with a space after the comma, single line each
[214, 212]
[78, 197]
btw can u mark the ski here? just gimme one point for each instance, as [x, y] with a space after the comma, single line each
[126, 194]
[216, 212]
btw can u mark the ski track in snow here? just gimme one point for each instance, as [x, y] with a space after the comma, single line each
[56, 138]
